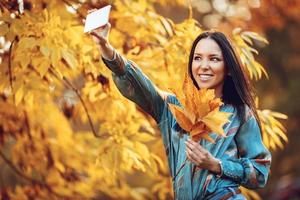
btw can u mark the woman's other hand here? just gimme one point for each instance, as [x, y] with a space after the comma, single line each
[201, 157]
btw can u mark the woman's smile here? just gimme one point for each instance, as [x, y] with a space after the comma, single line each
[205, 77]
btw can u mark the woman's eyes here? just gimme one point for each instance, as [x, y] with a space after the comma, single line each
[214, 59]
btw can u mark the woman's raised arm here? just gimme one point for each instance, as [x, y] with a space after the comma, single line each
[129, 79]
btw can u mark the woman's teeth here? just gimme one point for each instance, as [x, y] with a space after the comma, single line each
[205, 77]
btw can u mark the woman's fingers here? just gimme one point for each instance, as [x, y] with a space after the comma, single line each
[102, 32]
[103, 28]
[196, 153]
[91, 10]
[195, 147]
[192, 152]
[199, 155]
[191, 156]
[100, 29]
[108, 25]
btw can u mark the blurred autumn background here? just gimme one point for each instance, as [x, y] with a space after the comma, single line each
[67, 133]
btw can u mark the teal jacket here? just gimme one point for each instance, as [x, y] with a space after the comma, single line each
[245, 161]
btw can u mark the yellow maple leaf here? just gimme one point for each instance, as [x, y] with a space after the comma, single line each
[200, 114]
[184, 119]
[215, 121]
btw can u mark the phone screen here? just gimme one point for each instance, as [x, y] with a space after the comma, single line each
[97, 19]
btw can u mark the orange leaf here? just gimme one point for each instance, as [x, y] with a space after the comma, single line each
[205, 136]
[215, 121]
[215, 103]
[198, 128]
[189, 91]
[202, 99]
[200, 113]
[181, 117]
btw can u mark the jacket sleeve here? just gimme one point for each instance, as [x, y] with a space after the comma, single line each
[136, 86]
[251, 169]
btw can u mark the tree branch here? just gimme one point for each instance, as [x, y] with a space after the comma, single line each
[16, 170]
[9, 65]
[84, 106]
[30, 179]
[67, 83]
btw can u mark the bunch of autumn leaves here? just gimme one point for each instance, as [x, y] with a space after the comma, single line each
[199, 113]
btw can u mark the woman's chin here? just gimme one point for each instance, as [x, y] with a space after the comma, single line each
[204, 86]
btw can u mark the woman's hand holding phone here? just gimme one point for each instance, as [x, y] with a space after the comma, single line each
[101, 34]
[97, 25]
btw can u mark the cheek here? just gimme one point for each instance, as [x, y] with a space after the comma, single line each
[194, 67]
[220, 70]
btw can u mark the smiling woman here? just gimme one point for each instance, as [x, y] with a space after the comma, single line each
[214, 64]
[208, 67]
[216, 170]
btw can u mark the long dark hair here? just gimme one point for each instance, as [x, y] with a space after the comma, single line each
[237, 89]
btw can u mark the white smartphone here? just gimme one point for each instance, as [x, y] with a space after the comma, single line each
[97, 19]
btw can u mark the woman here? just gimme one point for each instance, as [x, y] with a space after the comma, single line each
[215, 171]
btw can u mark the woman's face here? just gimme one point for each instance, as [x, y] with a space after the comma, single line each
[208, 66]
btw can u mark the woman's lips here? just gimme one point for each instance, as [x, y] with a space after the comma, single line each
[205, 77]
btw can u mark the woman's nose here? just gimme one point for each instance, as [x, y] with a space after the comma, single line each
[204, 64]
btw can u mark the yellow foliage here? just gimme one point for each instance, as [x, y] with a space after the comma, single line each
[124, 150]
[45, 131]
[242, 41]
[273, 132]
